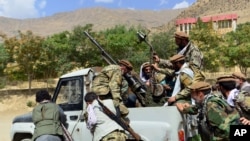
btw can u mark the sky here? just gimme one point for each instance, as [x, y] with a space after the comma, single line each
[25, 9]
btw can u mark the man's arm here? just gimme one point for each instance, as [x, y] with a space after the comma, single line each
[218, 118]
[115, 84]
[186, 80]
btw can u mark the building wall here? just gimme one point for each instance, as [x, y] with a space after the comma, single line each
[221, 23]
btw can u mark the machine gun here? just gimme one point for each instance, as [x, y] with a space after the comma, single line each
[156, 89]
[136, 86]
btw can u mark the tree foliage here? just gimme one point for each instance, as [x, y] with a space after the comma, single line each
[238, 47]
[208, 41]
[29, 55]
[24, 50]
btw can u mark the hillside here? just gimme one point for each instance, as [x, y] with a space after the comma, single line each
[101, 18]
[213, 7]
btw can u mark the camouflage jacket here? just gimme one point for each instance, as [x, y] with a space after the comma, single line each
[194, 56]
[219, 116]
[242, 104]
[109, 80]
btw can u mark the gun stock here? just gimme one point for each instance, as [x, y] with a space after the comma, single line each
[135, 85]
[120, 121]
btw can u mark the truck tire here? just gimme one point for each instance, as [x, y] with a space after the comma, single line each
[22, 137]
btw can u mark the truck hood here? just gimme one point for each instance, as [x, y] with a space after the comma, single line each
[23, 118]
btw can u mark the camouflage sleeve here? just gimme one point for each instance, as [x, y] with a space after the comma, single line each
[166, 71]
[115, 83]
[217, 116]
[195, 57]
[186, 80]
[165, 63]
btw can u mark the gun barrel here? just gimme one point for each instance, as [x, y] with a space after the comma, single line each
[106, 56]
[132, 81]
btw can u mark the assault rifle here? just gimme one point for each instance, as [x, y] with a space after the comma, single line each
[120, 121]
[136, 86]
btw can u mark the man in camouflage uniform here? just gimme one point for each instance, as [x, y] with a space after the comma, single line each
[227, 86]
[193, 55]
[241, 81]
[108, 84]
[184, 77]
[214, 111]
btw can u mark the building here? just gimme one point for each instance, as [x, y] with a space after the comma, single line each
[221, 23]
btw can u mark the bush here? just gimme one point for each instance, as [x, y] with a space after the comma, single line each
[30, 104]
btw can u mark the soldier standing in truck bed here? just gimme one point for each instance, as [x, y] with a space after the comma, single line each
[193, 55]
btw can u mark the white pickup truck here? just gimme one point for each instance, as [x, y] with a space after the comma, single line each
[151, 123]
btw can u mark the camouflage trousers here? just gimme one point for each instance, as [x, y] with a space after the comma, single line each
[115, 136]
[123, 109]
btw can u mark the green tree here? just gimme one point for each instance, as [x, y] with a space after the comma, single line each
[208, 41]
[237, 44]
[4, 57]
[55, 58]
[24, 50]
[164, 44]
[122, 43]
[82, 51]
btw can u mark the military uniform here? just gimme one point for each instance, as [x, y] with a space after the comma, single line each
[193, 56]
[184, 77]
[215, 112]
[241, 81]
[109, 84]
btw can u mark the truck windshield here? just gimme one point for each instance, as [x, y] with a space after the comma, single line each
[69, 94]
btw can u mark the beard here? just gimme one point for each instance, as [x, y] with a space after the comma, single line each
[198, 104]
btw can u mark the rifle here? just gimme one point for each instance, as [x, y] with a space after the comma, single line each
[66, 134]
[136, 86]
[120, 121]
[142, 38]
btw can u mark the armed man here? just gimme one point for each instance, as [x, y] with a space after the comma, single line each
[215, 114]
[235, 98]
[108, 84]
[193, 55]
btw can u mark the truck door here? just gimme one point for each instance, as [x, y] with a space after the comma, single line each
[69, 96]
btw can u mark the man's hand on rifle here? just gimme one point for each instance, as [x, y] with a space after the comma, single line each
[156, 58]
[155, 66]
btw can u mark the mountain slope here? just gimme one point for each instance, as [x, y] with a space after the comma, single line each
[101, 18]
[213, 7]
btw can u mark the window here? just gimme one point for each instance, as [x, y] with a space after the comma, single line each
[225, 24]
[70, 95]
[181, 28]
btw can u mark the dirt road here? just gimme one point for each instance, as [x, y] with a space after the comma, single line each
[6, 121]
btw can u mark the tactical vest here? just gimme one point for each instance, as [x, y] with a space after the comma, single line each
[46, 118]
